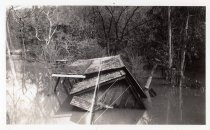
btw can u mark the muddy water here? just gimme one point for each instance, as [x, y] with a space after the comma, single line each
[164, 109]
[168, 107]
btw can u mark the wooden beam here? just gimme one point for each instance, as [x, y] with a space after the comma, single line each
[83, 103]
[57, 81]
[90, 83]
[134, 82]
[101, 85]
[62, 115]
[61, 60]
[69, 76]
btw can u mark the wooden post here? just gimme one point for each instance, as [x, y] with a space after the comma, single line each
[147, 86]
[149, 80]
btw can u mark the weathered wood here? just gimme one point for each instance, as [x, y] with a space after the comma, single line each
[89, 83]
[56, 84]
[136, 94]
[113, 70]
[83, 103]
[107, 63]
[90, 66]
[149, 80]
[62, 115]
[135, 84]
[118, 95]
[63, 61]
[68, 76]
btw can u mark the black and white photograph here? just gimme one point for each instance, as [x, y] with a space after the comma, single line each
[105, 65]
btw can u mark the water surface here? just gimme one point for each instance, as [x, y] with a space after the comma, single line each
[39, 105]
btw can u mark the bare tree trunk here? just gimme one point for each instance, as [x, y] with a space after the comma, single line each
[21, 23]
[181, 82]
[169, 39]
[24, 89]
[169, 42]
[108, 48]
[182, 66]
[13, 115]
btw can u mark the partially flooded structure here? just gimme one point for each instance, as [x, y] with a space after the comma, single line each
[101, 82]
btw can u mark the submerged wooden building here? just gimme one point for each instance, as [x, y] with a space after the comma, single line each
[107, 77]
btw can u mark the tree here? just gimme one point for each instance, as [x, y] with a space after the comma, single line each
[20, 18]
[187, 39]
[114, 26]
[170, 60]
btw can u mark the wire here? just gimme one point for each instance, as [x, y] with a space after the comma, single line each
[108, 89]
[98, 99]
[111, 104]
[94, 95]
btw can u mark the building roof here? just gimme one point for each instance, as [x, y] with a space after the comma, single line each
[90, 66]
[111, 70]
[91, 82]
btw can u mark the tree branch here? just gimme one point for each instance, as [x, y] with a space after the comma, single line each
[50, 36]
[103, 24]
[121, 14]
[127, 32]
[112, 17]
[116, 22]
[126, 24]
[50, 28]
[36, 35]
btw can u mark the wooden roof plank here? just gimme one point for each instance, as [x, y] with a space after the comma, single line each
[83, 103]
[89, 66]
[89, 83]
[134, 83]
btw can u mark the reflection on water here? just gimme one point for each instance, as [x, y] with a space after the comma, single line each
[164, 109]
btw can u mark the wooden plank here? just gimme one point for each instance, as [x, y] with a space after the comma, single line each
[107, 63]
[62, 115]
[135, 84]
[69, 69]
[69, 76]
[136, 94]
[89, 83]
[56, 84]
[61, 61]
[83, 103]
[89, 66]
[116, 94]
